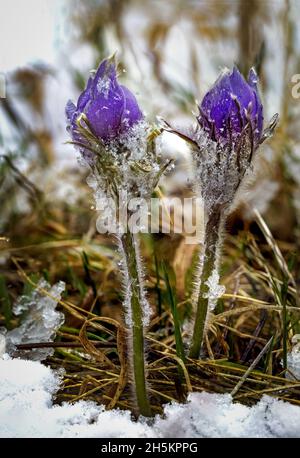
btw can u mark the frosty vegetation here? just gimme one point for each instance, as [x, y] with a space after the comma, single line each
[129, 171]
[220, 168]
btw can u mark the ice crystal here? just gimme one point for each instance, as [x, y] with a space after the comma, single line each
[40, 320]
[293, 359]
[215, 290]
[126, 284]
[103, 87]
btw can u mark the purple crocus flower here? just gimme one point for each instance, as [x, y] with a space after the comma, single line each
[231, 105]
[111, 109]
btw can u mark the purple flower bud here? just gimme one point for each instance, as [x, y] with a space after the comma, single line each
[231, 105]
[110, 108]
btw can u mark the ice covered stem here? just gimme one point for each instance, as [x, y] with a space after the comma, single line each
[212, 241]
[135, 297]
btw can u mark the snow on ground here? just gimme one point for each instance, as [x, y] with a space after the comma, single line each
[27, 389]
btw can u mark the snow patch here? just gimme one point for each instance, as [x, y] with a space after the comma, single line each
[27, 389]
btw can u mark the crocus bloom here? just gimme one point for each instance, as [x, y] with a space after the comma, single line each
[111, 109]
[230, 105]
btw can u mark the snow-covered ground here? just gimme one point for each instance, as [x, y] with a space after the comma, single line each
[27, 390]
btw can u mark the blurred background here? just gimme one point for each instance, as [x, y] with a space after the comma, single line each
[171, 52]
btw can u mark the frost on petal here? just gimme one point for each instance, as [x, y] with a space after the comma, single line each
[40, 320]
[215, 290]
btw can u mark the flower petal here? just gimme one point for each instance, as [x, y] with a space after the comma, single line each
[70, 111]
[132, 113]
[257, 111]
[85, 96]
[217, 104]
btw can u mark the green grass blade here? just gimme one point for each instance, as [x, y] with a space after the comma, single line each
[173, 303]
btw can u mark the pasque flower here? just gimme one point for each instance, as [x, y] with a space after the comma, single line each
[231, 105]
[110, 108]
[228, 132]
[118, 144]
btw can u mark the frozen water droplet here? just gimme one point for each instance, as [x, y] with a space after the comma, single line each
[215, 290]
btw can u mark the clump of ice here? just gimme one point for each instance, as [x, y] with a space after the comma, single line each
[293, 359]
[27, 410]
[215, 290]
[293, 364]
[103, 86]
[135, 139]
[40, 320]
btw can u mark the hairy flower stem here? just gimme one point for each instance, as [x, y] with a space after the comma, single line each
[137, 329]
[213, 230]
